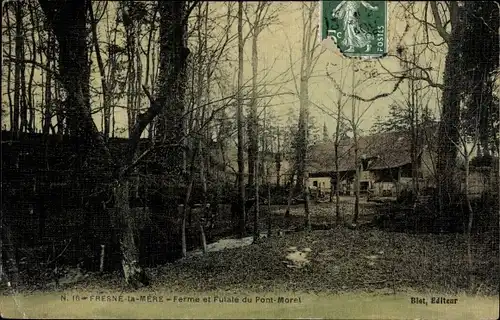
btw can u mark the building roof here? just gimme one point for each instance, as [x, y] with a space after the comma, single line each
[386, 150]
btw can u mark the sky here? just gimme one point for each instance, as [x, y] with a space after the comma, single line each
[280, 47]
[323, 93]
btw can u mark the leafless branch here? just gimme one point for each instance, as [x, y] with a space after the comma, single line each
[439, 26]
[189, 10]
[408, 74]
[56, 75]
[399, 80]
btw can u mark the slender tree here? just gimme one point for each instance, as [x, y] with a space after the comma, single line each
[239, 120]
[310, 54]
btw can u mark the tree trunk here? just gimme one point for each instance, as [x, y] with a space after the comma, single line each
[123, 220]
[137, 102]
[336, 160]
[307, 202]
[206, 206]
[170, 127]
[69, 25]
[102, 256]
[47, 119]
[269, 213]
[239, 120]
[480, 61]
[203, 239]
[105, 91]
[413, 135]
[357, 165]
[23, 107]
[60, 117]
[448, 130]
[305, 171]
[30, 124]
[278, 174]
[290, 194]
[19, 44]
[149, 55]
[252, 116]
[9, 71]
[354, 125]
[130, 40]
[185, 209]
[304, 127]
[337, 178]
[183, 212]
[256, 234]
[278, 159]
[307, 64]
[356, 188]
[470, 261]
[253, 134]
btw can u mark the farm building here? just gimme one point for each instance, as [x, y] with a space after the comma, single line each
[385, 161]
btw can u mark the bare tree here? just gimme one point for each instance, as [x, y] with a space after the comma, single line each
[106, 92]
[354, 120]
[338, 135]
[469, 142]
[48, 112]
[480, 59]
[8, 29]
[278, 157]
[310, 53]
[19, 74]
[33, 46]
[239, 120]
[259, 18]
[150, 76]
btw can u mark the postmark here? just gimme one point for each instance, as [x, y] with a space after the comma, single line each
[358, 28]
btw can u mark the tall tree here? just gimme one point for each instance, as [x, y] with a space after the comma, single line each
[69, 23]
[480, 60]
[105, 84]
[450, 113]
[239, 120]
[262, 17]
[259, 17]
[354, 122]
[19, 71]
[173, 48]
[338, 136]
[310, 53]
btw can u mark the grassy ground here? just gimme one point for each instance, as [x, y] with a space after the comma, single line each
[363, 273]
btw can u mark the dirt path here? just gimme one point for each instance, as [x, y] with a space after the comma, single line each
[269, 305]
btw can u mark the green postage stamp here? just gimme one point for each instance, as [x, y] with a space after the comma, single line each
[359, 28]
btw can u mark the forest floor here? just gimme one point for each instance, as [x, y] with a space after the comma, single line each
[351, 263]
